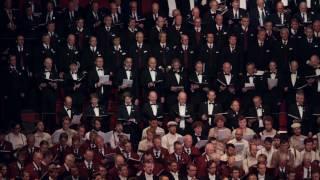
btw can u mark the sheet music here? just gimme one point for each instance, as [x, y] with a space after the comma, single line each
[127, 82]
[272, 83]
[104, 79]
[76, 119]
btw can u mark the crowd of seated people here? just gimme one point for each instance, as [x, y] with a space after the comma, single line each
[160, 90]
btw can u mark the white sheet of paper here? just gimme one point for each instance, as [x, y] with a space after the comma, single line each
[285, 2]
[104, 79]
[76, 119]
[272, 83]
[248, 85]
[127, 82]
[243, 4]
[182, 124]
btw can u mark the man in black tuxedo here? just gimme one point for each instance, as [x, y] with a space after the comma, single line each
[94, 111]
[55, 38]
[94, 16]
[257, 112]
[227, 85]
[116, 54]
[129, 116]
[106, 33]
[124, 75]
[176, 81]
[259, 14]
[274, 94]
[197, 33]
[49, 14]
[210, 15]
[48, 85]
[233, 114]
[182, 112]
[185, 52]
[100, 81]
[129, 34]
[82, 33]
[68, 110]
[156, 30]
[234, 15]
[43, 51]
[220, 31]
[308, 46]
[75, 86]
[117, 18]
[152, 109]
[234, 55]
[176, 30]
[152, 17]
[29, 23]
[199, 85]
[191, 172]
[89, 54]
[69, 16]
[280, 18]
[251, 85]
[22, 53]
[14, 91]
[152, 78]
[163, 51]
[260, 51]
[68, 54]
[210, 55]
[304, 17]
[245, 36]
[294, 80]
[208, 109]
[284, 50]
[139, 52]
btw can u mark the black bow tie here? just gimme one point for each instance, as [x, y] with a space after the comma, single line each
[211, 103]
[152, 70]
[100, 69]
[260, 107]
[227, 74]
[300, 105]
[153, 104]
[68, 109]
[128, 105]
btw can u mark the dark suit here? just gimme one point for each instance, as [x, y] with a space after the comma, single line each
[198, 95]
[66, 57]
[187, 57]
[139, 55]
[122, 75]
[230, 92]
[148, 114]
[253, 112]
[163, 54]
[305, 119]
[88, 57]
[158, 82]
[171, 81]
[175, 113]
[260, 55]
[212, 59]
[78, 94]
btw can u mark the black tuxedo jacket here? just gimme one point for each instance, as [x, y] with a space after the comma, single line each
[212, 58]
[105, 37]
[140, 55]
[203, 110]
[148, 114]
[284, 53]
[163, 55]
[255, 16]
[66, 57]
[220, 36]
[171, 81]
[236, 59]
[124, 116]
[145, 79]
[121, 75]
[174, 34]
[305, 120]
[93, 78]
[88, 57]
[114, 58]
[40, 54]
[260, 55]
[187, 57]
